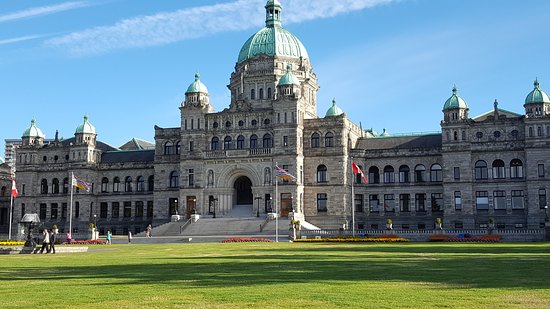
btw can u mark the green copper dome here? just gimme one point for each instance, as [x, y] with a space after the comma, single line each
[288, 78]
[33, 131]
[455, 101]
[537, 95]
[334, 110]
[197, 86]
[86, 127]
[272, 40]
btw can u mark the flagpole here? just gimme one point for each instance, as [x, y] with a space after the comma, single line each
[71, 208]
[11, 214]
[276, 207]
[352, 203]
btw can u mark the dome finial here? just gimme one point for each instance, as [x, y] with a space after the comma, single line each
[455, 90]
[333, 101]
[536, 83]
[197, 76]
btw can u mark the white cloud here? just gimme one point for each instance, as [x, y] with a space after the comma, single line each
[20, 39]
[191, 23]
[43, 10]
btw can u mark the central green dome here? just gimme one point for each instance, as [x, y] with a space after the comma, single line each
[273, 39]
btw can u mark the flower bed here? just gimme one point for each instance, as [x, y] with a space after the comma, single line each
[241, 239]
[6, 243]
[86, 242]
[389, 238]
[482, 238]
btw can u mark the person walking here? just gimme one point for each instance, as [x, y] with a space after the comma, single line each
[129, 237]
[149, 230]
[69, 237]
[52, 242]
[109, 236]
[45, 241]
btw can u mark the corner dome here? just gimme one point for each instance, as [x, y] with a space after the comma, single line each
[33, 131]
[197, 86]
[86, 127]
[455, 101]
[537, 95]
[288, 78]
[273, 39]
[334, 110]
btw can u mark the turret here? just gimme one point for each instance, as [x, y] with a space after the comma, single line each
[33, 135]
[85, 133]
[537, 102]
[455, 108]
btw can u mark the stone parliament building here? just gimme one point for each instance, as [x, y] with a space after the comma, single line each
[490, 169]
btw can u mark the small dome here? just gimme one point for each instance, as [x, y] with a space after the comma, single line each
[288, 78]
[86, 127]
[334, 110]
[197, 86]
[537, 95]
[455, 101]
[33, 131]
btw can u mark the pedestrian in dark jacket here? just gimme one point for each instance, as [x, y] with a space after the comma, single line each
[52, 242]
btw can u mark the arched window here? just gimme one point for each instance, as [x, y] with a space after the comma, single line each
[168, 148]
[240, 142]
[374, 175]
[151, 183]
[254, 141]
[321, 173]
[215, 143]
[420, 173]
[481, 170]
[104, 184]
[178, 148]
[516, 169]
[65, 185]
[329, 139]
[515, 134]
[227, 142]
[140, 184]
[261, 93]
[252, 94]
[315, 140]
[3, 191]
[269, 93]
[436, 173]
[404, 174]
[55, 186]
[455, 136]
[44, 186]
[116, 184]
[267, 141]
[530, 131]
[174, 179]
[128, 184]
[388, 174]
[463, 135]
[498, 169]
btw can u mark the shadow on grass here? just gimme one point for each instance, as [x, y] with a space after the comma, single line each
[470, 266]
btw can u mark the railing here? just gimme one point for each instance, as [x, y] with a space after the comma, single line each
[183, 226]
[263, 224]
[260, 151]
[339, 232]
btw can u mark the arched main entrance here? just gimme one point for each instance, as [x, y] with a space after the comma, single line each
[243, 187]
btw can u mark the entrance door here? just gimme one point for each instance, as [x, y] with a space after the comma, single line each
[191, 204]
[286, 204]
[243, 186]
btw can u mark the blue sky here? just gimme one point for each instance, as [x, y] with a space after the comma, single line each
[389, 63]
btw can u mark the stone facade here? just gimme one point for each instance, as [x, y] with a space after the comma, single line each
[487, 170]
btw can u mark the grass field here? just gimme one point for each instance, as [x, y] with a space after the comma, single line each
[282, 275]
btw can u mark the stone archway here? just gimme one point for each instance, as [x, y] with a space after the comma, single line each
[243, 189]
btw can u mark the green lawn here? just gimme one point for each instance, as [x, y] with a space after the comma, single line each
[282, 275]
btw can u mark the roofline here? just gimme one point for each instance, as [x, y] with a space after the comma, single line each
[499, 109]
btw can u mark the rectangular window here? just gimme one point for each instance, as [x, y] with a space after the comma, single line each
[63, 210]
[115, 210]
[358, 202]
[457, 173]
[173, 206]
[149, 209]
[541, 170]
[54, 210]
[437, 202]
[76, 209]
[321, 202]
[458, 200]
[389, 203]
[191, 146]
[404, 203]
[23, 190]
[499, 200]
[191, 177]
[542, 198]
[482, 200]
[127, 212]
[285, 141]
[374, 203]
[420, 199]
[103, 209]
[517, 199]
[139, 209]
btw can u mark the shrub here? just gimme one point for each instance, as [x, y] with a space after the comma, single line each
[245, 239]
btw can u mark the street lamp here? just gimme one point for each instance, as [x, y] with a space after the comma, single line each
[258, 199]
[546, 220]
[214, 200]
[95, 221]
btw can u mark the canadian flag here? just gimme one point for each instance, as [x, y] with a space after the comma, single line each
[13, 189]
[357, 170]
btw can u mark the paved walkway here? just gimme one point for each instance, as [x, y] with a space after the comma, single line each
[189, 239]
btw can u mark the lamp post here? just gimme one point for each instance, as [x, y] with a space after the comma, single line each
[95, 221]
[258, 199]
[546, 220]
[214, 200]
[270, 201]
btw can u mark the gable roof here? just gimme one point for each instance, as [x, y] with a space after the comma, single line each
[501, 112]
[137, 144]
[400, 142]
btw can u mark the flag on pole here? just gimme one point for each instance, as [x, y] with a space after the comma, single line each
[14, 192]
[81, 184]
[357, 170]
[279, 172]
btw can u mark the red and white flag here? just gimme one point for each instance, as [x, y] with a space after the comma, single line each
[13, 189]
[357, 170]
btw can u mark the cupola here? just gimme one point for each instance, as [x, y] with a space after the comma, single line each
[334, 110]
[196, 94]
[85, 133]
[537, 102]
[455, 108]
[289, 85]
[33, 135]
